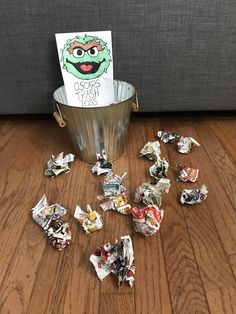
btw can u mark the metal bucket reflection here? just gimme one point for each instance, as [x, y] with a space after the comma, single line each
[93, 130]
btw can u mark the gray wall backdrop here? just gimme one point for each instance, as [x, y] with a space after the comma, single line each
[179, 54]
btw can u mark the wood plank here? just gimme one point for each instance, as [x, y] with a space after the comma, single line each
[151, 286]
[27, 249]
[222, 301]
[18, 182]
[226, 133]
[221, 209]
[232, 262]
[224, 167]
[17, 286]
[116, 304]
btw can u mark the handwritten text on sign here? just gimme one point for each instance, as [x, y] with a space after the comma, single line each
[87, 92]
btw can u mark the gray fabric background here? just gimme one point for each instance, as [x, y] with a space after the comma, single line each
[179, 54]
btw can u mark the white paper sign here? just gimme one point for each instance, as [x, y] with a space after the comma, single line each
[87, 68]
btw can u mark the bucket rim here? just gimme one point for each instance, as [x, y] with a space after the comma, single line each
[99, 107]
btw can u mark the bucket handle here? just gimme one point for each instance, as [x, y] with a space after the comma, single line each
[135, 105]
[57, 114]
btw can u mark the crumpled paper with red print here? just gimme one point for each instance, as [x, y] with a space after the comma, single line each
[48, 218]
[115, 258]
[147, 220]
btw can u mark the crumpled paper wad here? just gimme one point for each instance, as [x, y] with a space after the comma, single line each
[118, 203]
[102, 166]
[151, 150]
[147, 220]
[115, 258]
[163, 185]
[90, 220]
[187, 174]
[159, 169]
[168, 137]
[151, 194]
[185, 144]
[194, 196]
[58, 164]
[111, 185]
[48, 218]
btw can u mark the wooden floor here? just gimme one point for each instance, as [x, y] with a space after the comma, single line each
[189, 266]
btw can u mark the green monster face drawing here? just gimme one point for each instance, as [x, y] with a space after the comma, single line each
[86, 58]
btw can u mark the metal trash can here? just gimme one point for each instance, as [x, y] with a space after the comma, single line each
[93, 130]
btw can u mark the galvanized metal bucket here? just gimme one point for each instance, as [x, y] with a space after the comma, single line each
[93, 130]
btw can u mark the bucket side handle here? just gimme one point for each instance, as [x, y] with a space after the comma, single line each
[135, 105]
[57, 114]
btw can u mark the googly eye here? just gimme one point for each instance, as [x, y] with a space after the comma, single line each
[93, 52]
[78, 53]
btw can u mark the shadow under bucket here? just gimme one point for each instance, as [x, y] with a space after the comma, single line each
[93, 130]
